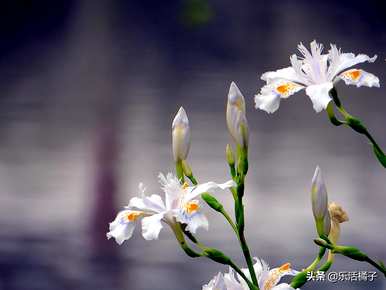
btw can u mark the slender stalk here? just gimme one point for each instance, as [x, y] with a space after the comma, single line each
[355, 124]
[179, 171]
[240, 227]
[301, 278]
[380, 267]
[230, 221]
[317, 260]
[250, 284]
[352, 253]
[204, 249]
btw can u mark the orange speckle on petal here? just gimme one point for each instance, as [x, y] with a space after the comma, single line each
[192, 206]
[285, 267]
[133, 215]
[353, 74]
[286, 89]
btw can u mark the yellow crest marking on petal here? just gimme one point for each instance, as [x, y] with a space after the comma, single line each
[271, 281]
[285, 267]
[286, 89]
[192, 206]
[185, 185]
[275, 275]
[133, 215]
[353, 74]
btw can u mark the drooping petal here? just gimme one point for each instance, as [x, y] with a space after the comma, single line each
[232, 283]
[197, 221]
[283, 286]
[151, 226]
[192, 192]
[121, 229]
[319, 95]
[217, 283]
[121, 232]
[359, 78]
[269, 102]
[269, 97]
[261, 270]
[275, 274]
[343, 61]
[193, 221]
[288, 74]
[149, 204]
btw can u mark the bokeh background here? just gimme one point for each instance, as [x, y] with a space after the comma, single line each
[88, 93]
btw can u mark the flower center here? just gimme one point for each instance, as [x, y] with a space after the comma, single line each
[133, 215]
[192, 206]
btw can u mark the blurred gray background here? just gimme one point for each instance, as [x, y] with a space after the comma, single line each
[88, 93]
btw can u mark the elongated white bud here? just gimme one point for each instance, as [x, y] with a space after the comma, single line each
[319, 200]
[180, 135]
[235, 116]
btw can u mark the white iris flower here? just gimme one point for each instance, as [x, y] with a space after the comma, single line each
[316, 73]
[268, 279]
[180, 205]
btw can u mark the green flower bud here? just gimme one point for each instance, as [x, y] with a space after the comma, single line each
[350, 252]
[323, 243]
[217, 256]
[230, 156]
[212, 202]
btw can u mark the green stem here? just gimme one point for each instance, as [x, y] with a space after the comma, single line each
[355, 124]
[352, 253]
[317, 260]
[179, 171]
[380, 267]
[331, 115]
[326, 266]
[300, 279]
[250, 284]
[240, 227]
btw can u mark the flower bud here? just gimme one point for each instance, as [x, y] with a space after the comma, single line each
[235, 116]
[212, 202]
[327, 224]
[180, 135]
[230, 156]
[319, 200]
[217, 256]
